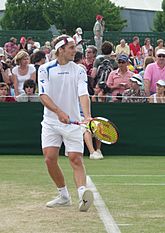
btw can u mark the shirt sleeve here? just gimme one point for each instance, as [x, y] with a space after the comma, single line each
[148, 73]
[82, 83]
[110, 79]
[43, 80]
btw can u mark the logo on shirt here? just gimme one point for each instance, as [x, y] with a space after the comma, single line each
[62, 73]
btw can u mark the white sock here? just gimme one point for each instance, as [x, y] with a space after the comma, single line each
[81, 190]
[63, 191]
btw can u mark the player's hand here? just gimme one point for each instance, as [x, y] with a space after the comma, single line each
[63, 117]
[87, 119]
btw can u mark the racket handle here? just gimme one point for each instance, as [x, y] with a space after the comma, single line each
[74, 122]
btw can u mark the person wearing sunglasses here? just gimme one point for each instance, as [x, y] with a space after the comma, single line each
[118, 80]
[154, 72]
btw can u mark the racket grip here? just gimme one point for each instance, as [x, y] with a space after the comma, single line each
[74, 122]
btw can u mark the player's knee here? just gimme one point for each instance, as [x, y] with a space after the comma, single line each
[76, 160]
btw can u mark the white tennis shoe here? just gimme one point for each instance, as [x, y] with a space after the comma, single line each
[100, 153]
[86, 201]
[59, 201]
[96, 155]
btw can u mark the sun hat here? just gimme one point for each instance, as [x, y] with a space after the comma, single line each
[160, 51]
[161, 82]
[2, 54]
[79, 30]
[137, 78]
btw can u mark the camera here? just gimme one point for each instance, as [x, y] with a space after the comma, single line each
[103, 86]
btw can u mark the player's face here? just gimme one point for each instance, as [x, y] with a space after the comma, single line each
[69, 52]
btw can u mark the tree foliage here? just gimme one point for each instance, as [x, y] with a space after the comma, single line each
[159, 20]
[24, 15]
[40, 14]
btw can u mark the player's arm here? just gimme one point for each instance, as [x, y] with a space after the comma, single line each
[85, 105]
[47, 102]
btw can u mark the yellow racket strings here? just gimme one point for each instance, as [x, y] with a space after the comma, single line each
[104, 130]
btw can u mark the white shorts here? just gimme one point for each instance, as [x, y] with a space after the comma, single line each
[71, 135]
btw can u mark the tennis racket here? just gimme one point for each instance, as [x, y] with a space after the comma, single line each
[104, 130]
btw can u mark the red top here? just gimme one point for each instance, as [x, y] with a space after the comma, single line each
[10, 99]
[134, 48]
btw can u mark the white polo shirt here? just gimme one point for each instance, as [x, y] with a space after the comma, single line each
[63, 84]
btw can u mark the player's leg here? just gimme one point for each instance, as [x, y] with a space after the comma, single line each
[51, 143]
[51, 159]
[75, 146]
[85, 195]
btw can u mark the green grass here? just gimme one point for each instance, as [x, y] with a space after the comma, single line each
[132, 187]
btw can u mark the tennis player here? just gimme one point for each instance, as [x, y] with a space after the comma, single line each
[62, 83]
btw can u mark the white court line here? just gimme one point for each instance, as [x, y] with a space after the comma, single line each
[135, 184]
[133, 175]
[105, 216]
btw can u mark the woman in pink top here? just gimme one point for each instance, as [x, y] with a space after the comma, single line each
[118, 80]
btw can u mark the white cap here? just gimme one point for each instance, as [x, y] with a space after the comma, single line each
[137, 78]
[160, 51]
[79, 30]
[161, 82]
[2, 52]
[37, 44]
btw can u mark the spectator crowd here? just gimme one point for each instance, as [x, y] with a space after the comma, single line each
[127, 73]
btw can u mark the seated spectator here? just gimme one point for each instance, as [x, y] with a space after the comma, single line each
[145, 48]
[11, 48]
[160, 45]
[106, 49]
[29, 94]
[122, 48]
[4, 70]
[159, 96]
[101, 93]
[22, 71]
[4, 92]
[118, 80]
[38, 59]
[154, 72]
[90, 56]
[23, 44]
[138, 62]
[134, 47]
[134, 94]
[150, 53]
[147, 61]
[78, 59]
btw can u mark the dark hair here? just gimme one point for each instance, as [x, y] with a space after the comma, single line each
[78, 56]
[38, 56]
[106, 48]
[29, 83]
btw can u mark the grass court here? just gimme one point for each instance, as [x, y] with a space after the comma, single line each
[131, 187]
